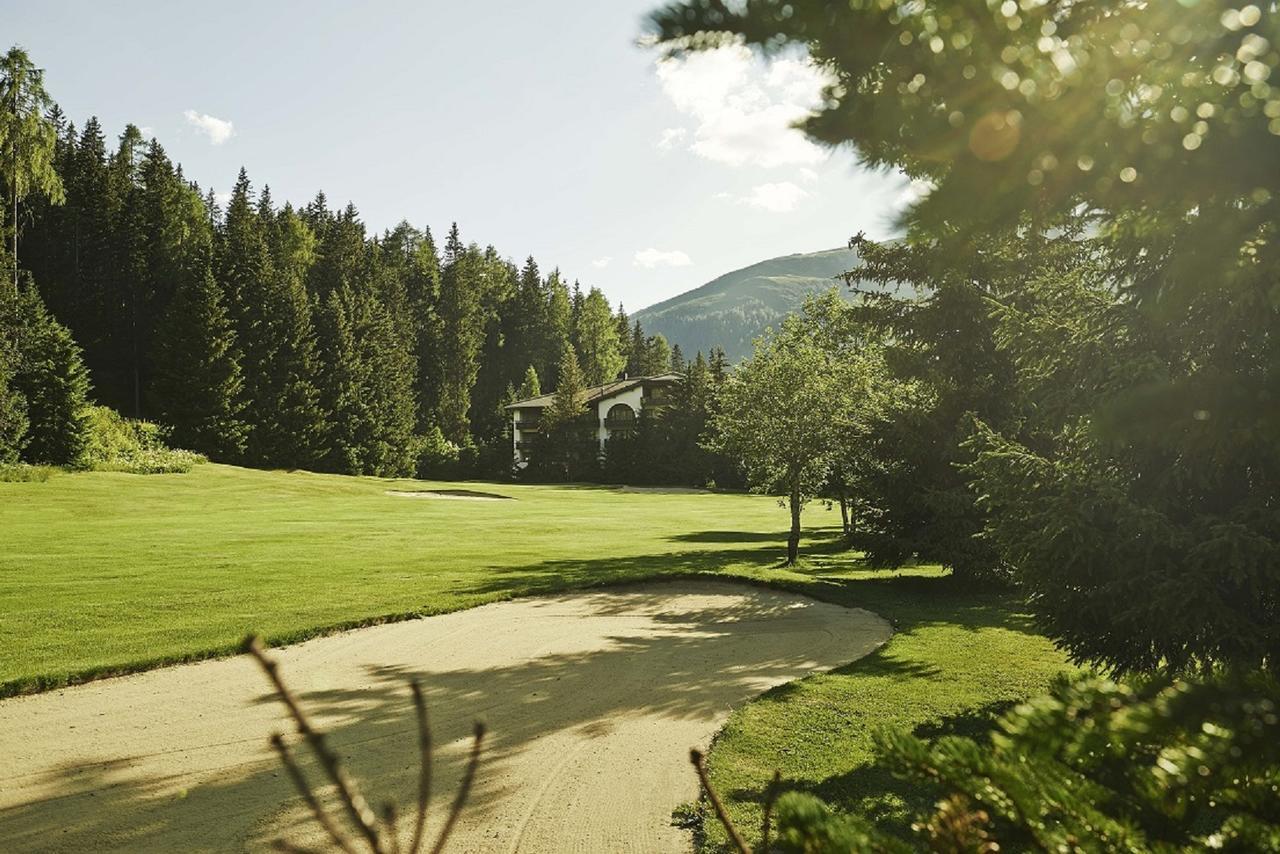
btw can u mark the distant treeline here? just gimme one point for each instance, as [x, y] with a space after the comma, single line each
[276, 336]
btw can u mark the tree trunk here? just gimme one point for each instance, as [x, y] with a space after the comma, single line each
[793, 539]
[844, 514]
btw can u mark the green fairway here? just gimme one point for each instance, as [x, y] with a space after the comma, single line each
[106, 572]
[958, 657]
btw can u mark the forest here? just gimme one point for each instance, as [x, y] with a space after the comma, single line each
[265, 334]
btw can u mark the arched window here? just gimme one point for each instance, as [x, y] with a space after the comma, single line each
[620, 417]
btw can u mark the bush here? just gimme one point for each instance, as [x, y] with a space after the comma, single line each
[116, 443]
[1095, 765]
[25, 473]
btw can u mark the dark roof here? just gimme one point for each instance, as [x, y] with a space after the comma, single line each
[595, 393]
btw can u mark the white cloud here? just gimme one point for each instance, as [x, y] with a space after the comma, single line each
[808, 175]
[147, 131]
[218, 130]
[745, 109]
[601, 263]
[781, 197]
[671, 137]
[222, 199]
[651, 258]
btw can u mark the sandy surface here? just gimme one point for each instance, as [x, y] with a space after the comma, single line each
[592, 699]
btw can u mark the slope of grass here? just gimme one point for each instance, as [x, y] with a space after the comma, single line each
[957, 658]
[106, 572]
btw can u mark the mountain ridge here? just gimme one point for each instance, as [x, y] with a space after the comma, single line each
[734, 309]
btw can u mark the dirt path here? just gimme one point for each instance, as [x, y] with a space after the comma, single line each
[592, 699]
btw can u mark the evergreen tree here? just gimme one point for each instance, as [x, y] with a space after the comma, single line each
[13, 409]
[13, 405]
[340, 389]
[598, 340]
[29, 140]
[657, 357]
[530, 387]
[677, 360]
[558, 326]
[565, 448]
[291, 430]
[462, 327]
[52, 378]
[637, 353]
[198, 378]
[623, 324]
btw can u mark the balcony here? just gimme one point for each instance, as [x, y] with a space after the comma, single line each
[612, 424]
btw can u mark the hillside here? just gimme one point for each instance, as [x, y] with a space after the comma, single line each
[734, 309]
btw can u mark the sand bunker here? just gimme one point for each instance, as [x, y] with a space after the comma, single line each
[449, 494]
[593, 700]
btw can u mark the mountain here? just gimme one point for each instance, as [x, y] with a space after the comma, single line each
[735, 309]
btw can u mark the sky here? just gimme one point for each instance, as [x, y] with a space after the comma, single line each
[541, 128]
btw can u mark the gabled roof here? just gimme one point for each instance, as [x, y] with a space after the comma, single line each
[595, 393]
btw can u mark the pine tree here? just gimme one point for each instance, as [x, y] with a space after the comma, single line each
[559, 325]
[677, 360]
[530, 387]
[340, 388]
[13, 405]
[657, 356]
[636, 353]
[462, 326]
[291, 430]
[623, 324]
[598, 340]
[565, 448]
[198, 380]
[52, 377]
[29, 140]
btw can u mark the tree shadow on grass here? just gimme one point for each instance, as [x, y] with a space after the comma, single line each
[876, 793]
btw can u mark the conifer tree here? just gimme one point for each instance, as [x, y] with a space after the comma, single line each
[558, 326]
[657, 356]
[636, 352]
[28, 139]
[13, 409]
[291, 430]
[462, 330]
[52, 378]
[598, 340]
[340, 389]
[198, 377]
[530, 387]
[623, 324]
[677, 360]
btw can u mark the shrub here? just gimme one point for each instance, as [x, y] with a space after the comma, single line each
[25, 473]
[116, 443]
[1095, 765]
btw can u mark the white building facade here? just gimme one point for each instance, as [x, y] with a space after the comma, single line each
[616, 407]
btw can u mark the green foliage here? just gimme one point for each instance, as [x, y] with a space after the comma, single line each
[782, 412]
[25, 473]
[13, 406]
[734, 309]
[566, 447]
[1169, 766]
[198, 380]
[28, 139]
[51, 377]
[116, 443]
[600, 350]
[529, 387]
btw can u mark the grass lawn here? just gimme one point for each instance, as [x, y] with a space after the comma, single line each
[103, 573]
[957, 658]
[107, 572]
